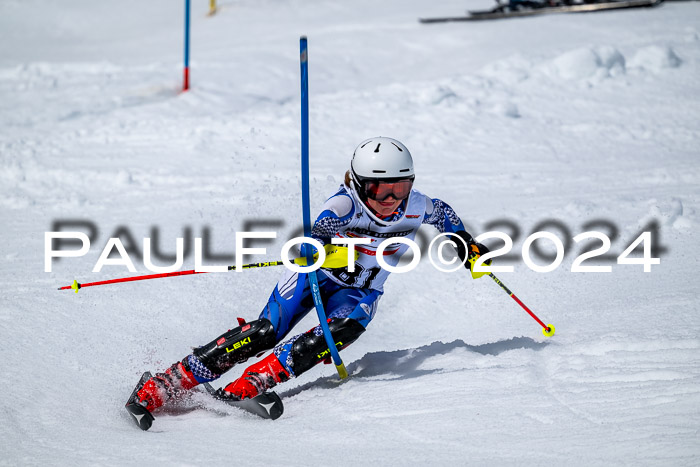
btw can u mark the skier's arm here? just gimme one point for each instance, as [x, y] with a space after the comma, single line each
[440, 215]
[336, 212]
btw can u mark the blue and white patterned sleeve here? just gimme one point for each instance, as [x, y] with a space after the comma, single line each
[336, 212]
[440, 215]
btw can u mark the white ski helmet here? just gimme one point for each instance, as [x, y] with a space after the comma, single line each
[381, 160]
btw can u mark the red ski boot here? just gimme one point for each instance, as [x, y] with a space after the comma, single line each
[153, 391]
[257, 378]
[164, 386]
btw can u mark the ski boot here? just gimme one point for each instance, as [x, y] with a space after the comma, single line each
[142, 416]
[205, 364]
[256, 379]
[153, 391]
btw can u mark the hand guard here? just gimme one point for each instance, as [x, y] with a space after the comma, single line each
[473, 251]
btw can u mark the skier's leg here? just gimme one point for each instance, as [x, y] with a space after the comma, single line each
[235, 346]
[349, 311]
[207, 363]
[288, 303]
[291, 301]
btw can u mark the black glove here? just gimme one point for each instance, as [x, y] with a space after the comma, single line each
[472, 249]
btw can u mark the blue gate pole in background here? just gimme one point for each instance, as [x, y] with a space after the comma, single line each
[186, 78]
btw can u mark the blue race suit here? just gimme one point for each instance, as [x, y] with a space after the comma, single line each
[351, 295]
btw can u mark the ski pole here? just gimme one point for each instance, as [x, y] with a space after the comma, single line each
[306, 210]
[77, 285]
[336, 257]
[547, 329]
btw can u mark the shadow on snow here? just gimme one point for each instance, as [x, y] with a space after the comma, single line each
[394, 365]
[404, 364]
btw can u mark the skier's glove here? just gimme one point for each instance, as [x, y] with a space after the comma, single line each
[472, 252]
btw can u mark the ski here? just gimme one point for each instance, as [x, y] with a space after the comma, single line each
[267, 405]
[142, 416]
[502, 11]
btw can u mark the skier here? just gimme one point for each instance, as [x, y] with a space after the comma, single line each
[377, 201]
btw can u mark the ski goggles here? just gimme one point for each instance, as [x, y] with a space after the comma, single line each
[379, 190]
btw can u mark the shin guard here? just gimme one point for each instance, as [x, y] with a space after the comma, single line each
[307, 350]
[237, 346]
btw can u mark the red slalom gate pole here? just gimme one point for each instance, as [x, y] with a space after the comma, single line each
[547, 329]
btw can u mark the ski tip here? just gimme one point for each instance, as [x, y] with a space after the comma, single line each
[142, 416]
[272, 404]
[266, 405]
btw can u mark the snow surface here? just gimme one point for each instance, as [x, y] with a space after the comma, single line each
[575, 118]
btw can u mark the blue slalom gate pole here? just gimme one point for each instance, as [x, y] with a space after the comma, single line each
[186, 77]
[305, 200]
